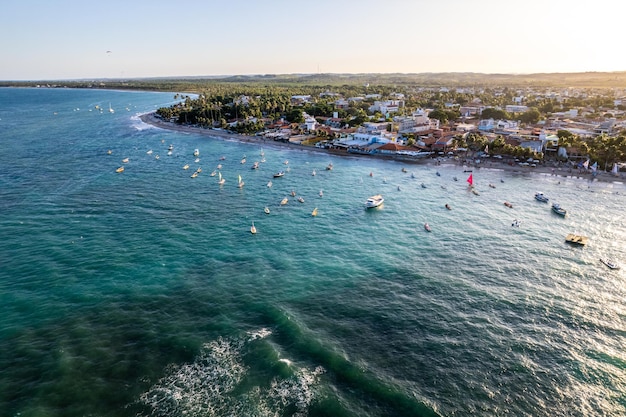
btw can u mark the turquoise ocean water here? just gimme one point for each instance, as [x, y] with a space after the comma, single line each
[143, 293]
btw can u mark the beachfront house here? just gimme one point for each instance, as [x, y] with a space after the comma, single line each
[309, 122]
[534, 145]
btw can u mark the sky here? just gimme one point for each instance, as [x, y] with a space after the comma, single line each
[72, 39]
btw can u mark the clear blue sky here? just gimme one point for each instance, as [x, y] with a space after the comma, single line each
[69, 39]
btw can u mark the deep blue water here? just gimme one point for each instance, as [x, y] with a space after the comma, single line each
[144, 292]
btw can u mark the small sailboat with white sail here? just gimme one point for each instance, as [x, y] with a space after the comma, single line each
[220, 180]
[240, 182]
[253, 229]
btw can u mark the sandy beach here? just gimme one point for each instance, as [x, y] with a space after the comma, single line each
[546, 169]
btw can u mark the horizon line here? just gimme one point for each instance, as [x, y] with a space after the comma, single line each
[301, 74]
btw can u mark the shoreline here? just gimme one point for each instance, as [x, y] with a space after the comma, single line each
[550, 171]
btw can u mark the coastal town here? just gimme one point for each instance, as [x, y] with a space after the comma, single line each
[576, 128]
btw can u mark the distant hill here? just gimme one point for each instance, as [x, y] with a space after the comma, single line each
[447, 79]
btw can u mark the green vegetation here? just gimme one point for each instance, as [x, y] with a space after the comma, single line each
[248, 104]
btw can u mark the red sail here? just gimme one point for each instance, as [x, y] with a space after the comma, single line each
[470, 179]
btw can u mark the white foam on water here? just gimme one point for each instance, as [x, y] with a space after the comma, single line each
[259, 334]
[139, 124]
[207, 386]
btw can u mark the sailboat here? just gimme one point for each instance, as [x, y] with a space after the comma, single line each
[221, 180]
[470, 180]
[110, 108]
[253, 229]
[240, 182]
[314, 213]
[615, 170]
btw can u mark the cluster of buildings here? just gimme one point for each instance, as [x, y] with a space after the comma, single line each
[395, 131]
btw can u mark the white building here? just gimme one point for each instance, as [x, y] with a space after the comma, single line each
[417, 122]
[309, 122]
[386, 107]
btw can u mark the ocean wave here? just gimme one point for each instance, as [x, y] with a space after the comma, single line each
[140, 125]
[215, 385]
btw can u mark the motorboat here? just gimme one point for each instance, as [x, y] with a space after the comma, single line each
[329, 167]
[610, 263]
[576, 239]
[516, 223]
[556, 208]
[186, 166]
[427, 227]
[279, 174]
[284, 201]
[125, 160]
[255, 165]
[266, 210]
[196, 152]
[374, 201]
[120, 169]
[509, 205]
[448, 207]
[300, 199]
[539, 196]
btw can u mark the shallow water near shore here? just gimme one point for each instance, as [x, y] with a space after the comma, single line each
[143, 293]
